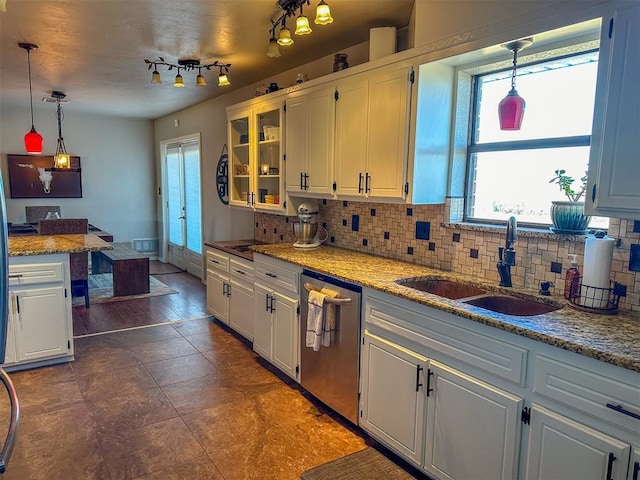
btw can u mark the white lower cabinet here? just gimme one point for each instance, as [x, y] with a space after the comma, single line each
[230, 291]
[392, 398]
[429, 413]
[40, 325]
[277, 313]
[470, 416]
[560, 448]
[462, 400]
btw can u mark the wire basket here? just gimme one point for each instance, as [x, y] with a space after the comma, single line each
[596, 299]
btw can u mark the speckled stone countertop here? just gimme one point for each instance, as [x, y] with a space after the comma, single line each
[236, 247]
[47, 244]
[613, 339]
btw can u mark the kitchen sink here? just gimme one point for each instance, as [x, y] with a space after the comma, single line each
[442, 288]
[511, 305]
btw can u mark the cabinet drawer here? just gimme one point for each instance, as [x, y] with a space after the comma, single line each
[590, 391]
[436, 331]
[217, 261]
[35, 273]
[242, 269]
[276, 273]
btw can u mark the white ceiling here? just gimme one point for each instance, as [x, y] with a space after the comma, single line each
[94, 50]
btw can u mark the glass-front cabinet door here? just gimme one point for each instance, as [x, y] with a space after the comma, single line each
[240, 159]
[256, 176]
[268, 168]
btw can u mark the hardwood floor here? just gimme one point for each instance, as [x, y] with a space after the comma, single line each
[188, 303]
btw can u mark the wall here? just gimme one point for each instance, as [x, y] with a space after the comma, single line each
[117, 167]
[390, 231]
[220, 222]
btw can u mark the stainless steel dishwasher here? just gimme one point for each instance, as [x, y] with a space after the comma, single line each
[331, 373]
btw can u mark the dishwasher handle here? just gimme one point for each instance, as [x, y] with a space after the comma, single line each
[12, 434]
[330, 300]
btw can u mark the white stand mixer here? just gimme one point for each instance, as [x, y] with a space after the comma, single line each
[306, 228]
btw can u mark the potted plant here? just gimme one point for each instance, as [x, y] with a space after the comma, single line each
[568, 216]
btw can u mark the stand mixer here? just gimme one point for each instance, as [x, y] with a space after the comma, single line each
[306, 228]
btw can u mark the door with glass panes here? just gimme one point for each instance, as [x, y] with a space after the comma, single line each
[183, 205]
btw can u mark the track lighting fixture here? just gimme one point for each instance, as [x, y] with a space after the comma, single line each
[290, 8]
[32, 140]
[188, 65]
[511, 107]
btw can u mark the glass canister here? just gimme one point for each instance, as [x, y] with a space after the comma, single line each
[340, 62]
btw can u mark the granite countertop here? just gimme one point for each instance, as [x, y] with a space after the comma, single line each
[613, 339]
[236, 247]
[47, 244]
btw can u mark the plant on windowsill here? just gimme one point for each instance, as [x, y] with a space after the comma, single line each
[568, 216]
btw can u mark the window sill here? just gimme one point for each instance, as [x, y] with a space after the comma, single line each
[528, 232]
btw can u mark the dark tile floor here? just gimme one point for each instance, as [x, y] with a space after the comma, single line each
[187, 400]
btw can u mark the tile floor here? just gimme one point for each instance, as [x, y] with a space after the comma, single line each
[186, 401]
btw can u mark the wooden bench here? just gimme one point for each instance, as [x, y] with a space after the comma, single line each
[130, 269]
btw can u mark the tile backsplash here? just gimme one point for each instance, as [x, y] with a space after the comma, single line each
[426, 235]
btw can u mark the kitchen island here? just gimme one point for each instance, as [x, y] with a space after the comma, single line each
[40, 327]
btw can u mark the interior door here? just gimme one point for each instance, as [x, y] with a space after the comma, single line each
[183, 206]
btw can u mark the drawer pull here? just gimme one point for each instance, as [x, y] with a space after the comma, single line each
[15, 275]
[272, 275]
[621, 409]
[214, 261]
[418, 384]
[612, 458]
[240, 272]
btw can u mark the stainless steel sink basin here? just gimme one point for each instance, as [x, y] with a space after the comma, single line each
[442, 288]
[511, 305]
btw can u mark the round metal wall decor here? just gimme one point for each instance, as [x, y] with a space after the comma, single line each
[222, 178]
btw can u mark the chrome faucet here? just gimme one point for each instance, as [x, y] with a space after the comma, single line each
[507, 254]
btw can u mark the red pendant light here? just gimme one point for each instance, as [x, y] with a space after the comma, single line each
[511, 107]
[32, 140]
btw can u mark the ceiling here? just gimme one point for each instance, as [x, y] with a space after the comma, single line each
[94, 50]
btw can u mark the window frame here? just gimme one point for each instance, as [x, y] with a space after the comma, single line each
[509, 145]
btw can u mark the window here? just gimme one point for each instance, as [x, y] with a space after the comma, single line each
[509, 171]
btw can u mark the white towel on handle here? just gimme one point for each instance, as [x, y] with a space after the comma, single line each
[329, 328]
[315, 319]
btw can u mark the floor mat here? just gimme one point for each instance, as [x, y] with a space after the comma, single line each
[101, 290]
[367, 463]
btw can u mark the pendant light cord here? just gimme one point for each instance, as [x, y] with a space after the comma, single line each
[30, 92]
[515, 66]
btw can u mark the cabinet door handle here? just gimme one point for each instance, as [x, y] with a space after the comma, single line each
[301, 176]
[593, 193]
[621, 409]
[224, 289]
[18, 305]
[228, 290]
[367, 189]
[612, 458]
[248, 199]
[636, 470]
[253, 198]
[306, 185]
[266, 302]
[271, 303]
[418, 384]
[429, 389]
[359, 182]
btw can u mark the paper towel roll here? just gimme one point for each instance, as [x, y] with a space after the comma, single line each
[598, 253]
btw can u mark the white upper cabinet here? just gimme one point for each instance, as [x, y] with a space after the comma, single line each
[614, 165]
[256, 157]
[372, 133]
[310, 125]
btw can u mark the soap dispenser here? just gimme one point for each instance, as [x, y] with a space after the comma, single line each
[572, 280]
